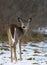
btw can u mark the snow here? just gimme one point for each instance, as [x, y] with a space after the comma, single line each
[42, 30]
[32, 54]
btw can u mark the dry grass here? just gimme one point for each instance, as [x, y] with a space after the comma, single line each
[37, 37]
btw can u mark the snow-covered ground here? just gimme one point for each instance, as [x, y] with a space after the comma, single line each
[32, 54]
[42, 30]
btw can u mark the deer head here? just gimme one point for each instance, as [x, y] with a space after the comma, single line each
[24, 24]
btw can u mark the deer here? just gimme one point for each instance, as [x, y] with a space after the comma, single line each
[15, 34]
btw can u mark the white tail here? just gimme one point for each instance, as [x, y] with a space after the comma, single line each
[15, 34]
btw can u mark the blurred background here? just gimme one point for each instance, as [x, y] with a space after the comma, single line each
[37, 9]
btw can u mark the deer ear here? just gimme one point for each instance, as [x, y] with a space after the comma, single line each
[30, 19]
[19, 19]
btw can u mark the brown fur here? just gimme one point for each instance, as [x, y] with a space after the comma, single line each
[18, 37]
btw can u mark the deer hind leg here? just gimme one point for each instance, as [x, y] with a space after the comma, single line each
[10, 46]
[19, 41]
[15, 58]
[10, 43]
[11, 55]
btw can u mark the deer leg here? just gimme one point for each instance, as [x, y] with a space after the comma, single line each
[19, 41]
[11, 53]
[15, 52]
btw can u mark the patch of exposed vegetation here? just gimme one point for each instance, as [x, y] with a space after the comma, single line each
[35, 63]
[1, 64]
[36, 51]
[45, 55]
[1, 53]
[29, 59]
[24, 50]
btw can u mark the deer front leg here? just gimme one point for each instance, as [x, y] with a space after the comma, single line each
[19, 41]
[15, 58]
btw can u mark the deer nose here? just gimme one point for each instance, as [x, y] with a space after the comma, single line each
[23, 26]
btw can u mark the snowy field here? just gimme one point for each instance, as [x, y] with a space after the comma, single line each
[32, 54]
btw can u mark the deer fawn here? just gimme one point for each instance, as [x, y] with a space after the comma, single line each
[15, 34]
